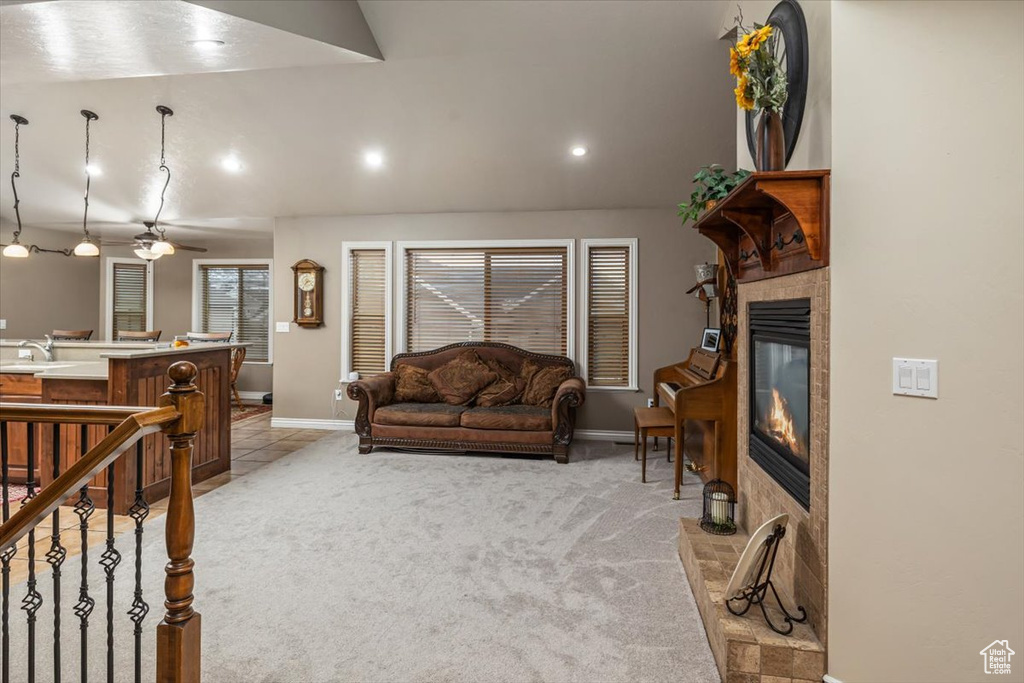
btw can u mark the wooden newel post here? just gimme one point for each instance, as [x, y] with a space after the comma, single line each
[178, 635]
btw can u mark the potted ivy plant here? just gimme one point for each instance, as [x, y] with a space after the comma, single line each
[713, 183]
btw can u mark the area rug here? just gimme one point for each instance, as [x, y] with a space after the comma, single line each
[246, 412]
[16, 492]
[326, 565]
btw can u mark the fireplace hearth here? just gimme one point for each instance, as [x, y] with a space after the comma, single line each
[780, 393]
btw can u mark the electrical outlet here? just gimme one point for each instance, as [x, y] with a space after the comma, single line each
[339, 394]
[24, 353]
[650, 403]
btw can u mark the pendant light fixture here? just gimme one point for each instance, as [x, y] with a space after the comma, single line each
[87, 247]
[161, 247]
[15, 249]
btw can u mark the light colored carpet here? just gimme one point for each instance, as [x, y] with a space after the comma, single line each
[330, 566]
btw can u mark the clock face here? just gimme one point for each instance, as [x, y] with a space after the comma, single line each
[307, 281]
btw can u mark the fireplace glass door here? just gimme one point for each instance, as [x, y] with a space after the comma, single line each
[780, 398]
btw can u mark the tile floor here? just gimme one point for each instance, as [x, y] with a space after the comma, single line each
[254, 443]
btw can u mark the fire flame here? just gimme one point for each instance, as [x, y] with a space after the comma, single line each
[780, 425]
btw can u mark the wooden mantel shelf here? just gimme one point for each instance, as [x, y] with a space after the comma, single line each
[773, 223]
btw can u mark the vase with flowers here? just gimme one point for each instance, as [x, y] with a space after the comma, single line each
[761, 85]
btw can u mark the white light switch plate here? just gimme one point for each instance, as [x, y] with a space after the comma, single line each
[24, 353]
[284, 327]
[915, 377]
[3, 324]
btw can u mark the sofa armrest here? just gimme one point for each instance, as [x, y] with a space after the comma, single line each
[570, 395]
[371, 393]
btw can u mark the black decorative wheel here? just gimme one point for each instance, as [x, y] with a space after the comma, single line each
[791, 50]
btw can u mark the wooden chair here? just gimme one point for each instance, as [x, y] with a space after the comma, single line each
[71, 335]
[145, 335]
[651, 422]
[237, 358]
[209, 336]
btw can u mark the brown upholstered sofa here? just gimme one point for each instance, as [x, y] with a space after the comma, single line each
[473, 396]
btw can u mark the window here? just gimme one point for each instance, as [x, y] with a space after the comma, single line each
[129, 296]
[511, 292]
[234, 297]
[366, 293]
[609, 313]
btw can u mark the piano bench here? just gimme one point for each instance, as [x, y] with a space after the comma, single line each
[654, 422]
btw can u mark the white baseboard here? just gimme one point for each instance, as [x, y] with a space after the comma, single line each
[830, 679]
[300, 423]
[252, 395]
[602, 435]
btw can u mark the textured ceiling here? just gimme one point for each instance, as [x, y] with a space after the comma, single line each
[475, 108]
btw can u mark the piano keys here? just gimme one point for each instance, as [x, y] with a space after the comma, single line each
[701, 392]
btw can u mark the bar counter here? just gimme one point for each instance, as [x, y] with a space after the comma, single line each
[121, 374]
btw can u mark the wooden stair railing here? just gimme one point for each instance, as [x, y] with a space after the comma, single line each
[179, 417]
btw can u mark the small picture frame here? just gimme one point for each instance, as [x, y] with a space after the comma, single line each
[711, 339]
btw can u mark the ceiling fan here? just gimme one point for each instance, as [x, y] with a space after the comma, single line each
[144, 242]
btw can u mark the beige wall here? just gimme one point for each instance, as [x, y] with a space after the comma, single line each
[927, 520]
[308, 361]
[47, 291]
[813, 148]
[172, 293]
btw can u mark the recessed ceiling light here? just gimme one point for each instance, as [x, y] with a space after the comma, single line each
[93, 169]
[373, 159]
[206, 44]
[231, 164]
[578, 151]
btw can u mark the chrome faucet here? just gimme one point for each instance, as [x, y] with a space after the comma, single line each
[46, 348]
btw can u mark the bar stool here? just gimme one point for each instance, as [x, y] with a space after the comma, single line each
[654, 422]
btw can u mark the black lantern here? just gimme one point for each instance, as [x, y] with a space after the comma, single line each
[719, 516]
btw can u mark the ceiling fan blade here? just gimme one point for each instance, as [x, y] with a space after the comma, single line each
[186, 247]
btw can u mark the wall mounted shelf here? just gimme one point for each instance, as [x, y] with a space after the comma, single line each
[773, 223]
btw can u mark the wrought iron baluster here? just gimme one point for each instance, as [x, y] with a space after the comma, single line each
[84, 508]
[5, 564]
[138, 511]
[33, 600]
[55, 557]
[109, 560]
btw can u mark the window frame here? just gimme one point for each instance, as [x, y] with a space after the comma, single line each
[401, 263]
[346, 302]
[632, 243]
[108, 319]
[197, 306]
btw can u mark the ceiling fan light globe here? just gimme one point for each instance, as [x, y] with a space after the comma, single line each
[162, 248]
[147, 254]
[15, 251]
[86, 248]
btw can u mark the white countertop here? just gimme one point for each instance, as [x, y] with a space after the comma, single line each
[56, 370]
[97, 369]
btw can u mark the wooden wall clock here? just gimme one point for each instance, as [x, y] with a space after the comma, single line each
[309, 293]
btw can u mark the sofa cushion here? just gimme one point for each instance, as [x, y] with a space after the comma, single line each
[543, 384]
[502, 391]
[459, 380]
[419, 414]
[412, 385]
[518, 418]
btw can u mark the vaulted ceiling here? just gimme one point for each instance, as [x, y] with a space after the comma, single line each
[474, 108]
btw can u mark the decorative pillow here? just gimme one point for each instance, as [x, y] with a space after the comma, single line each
[543, 385]
[412, 385]
[502, 391]
[459, 380]
[527, 371]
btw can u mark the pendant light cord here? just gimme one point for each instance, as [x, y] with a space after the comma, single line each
[164, 113]
[88, 179]
[17, 172]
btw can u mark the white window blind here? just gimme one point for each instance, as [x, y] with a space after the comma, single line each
[130, 296]
[515, 295]
[236, 298]
[608, 316]
[368, 288]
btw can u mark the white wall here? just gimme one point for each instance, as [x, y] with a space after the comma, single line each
[926, 562]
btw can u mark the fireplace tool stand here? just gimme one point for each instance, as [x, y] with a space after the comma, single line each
[758, 591]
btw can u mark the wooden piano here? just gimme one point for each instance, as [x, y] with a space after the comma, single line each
[701, 392]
